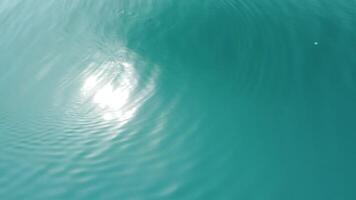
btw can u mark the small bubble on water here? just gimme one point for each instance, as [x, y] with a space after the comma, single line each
[316, 43]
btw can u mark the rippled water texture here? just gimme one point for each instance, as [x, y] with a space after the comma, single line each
[149, 99]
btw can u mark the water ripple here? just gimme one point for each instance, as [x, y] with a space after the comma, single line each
[134, 99]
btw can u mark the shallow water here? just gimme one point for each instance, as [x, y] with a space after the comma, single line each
[215, 99]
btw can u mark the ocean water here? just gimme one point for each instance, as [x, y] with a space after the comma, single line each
[149, 99]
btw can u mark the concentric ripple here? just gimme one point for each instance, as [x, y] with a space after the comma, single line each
[149, 99]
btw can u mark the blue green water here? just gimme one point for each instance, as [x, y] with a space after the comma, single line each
[149, 99]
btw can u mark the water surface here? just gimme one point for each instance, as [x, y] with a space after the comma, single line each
[214, 99]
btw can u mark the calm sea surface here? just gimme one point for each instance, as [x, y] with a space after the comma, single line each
[177, 100]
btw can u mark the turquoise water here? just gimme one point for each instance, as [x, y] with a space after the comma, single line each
[214, 99]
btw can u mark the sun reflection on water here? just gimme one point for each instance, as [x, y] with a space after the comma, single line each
[113, 89]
